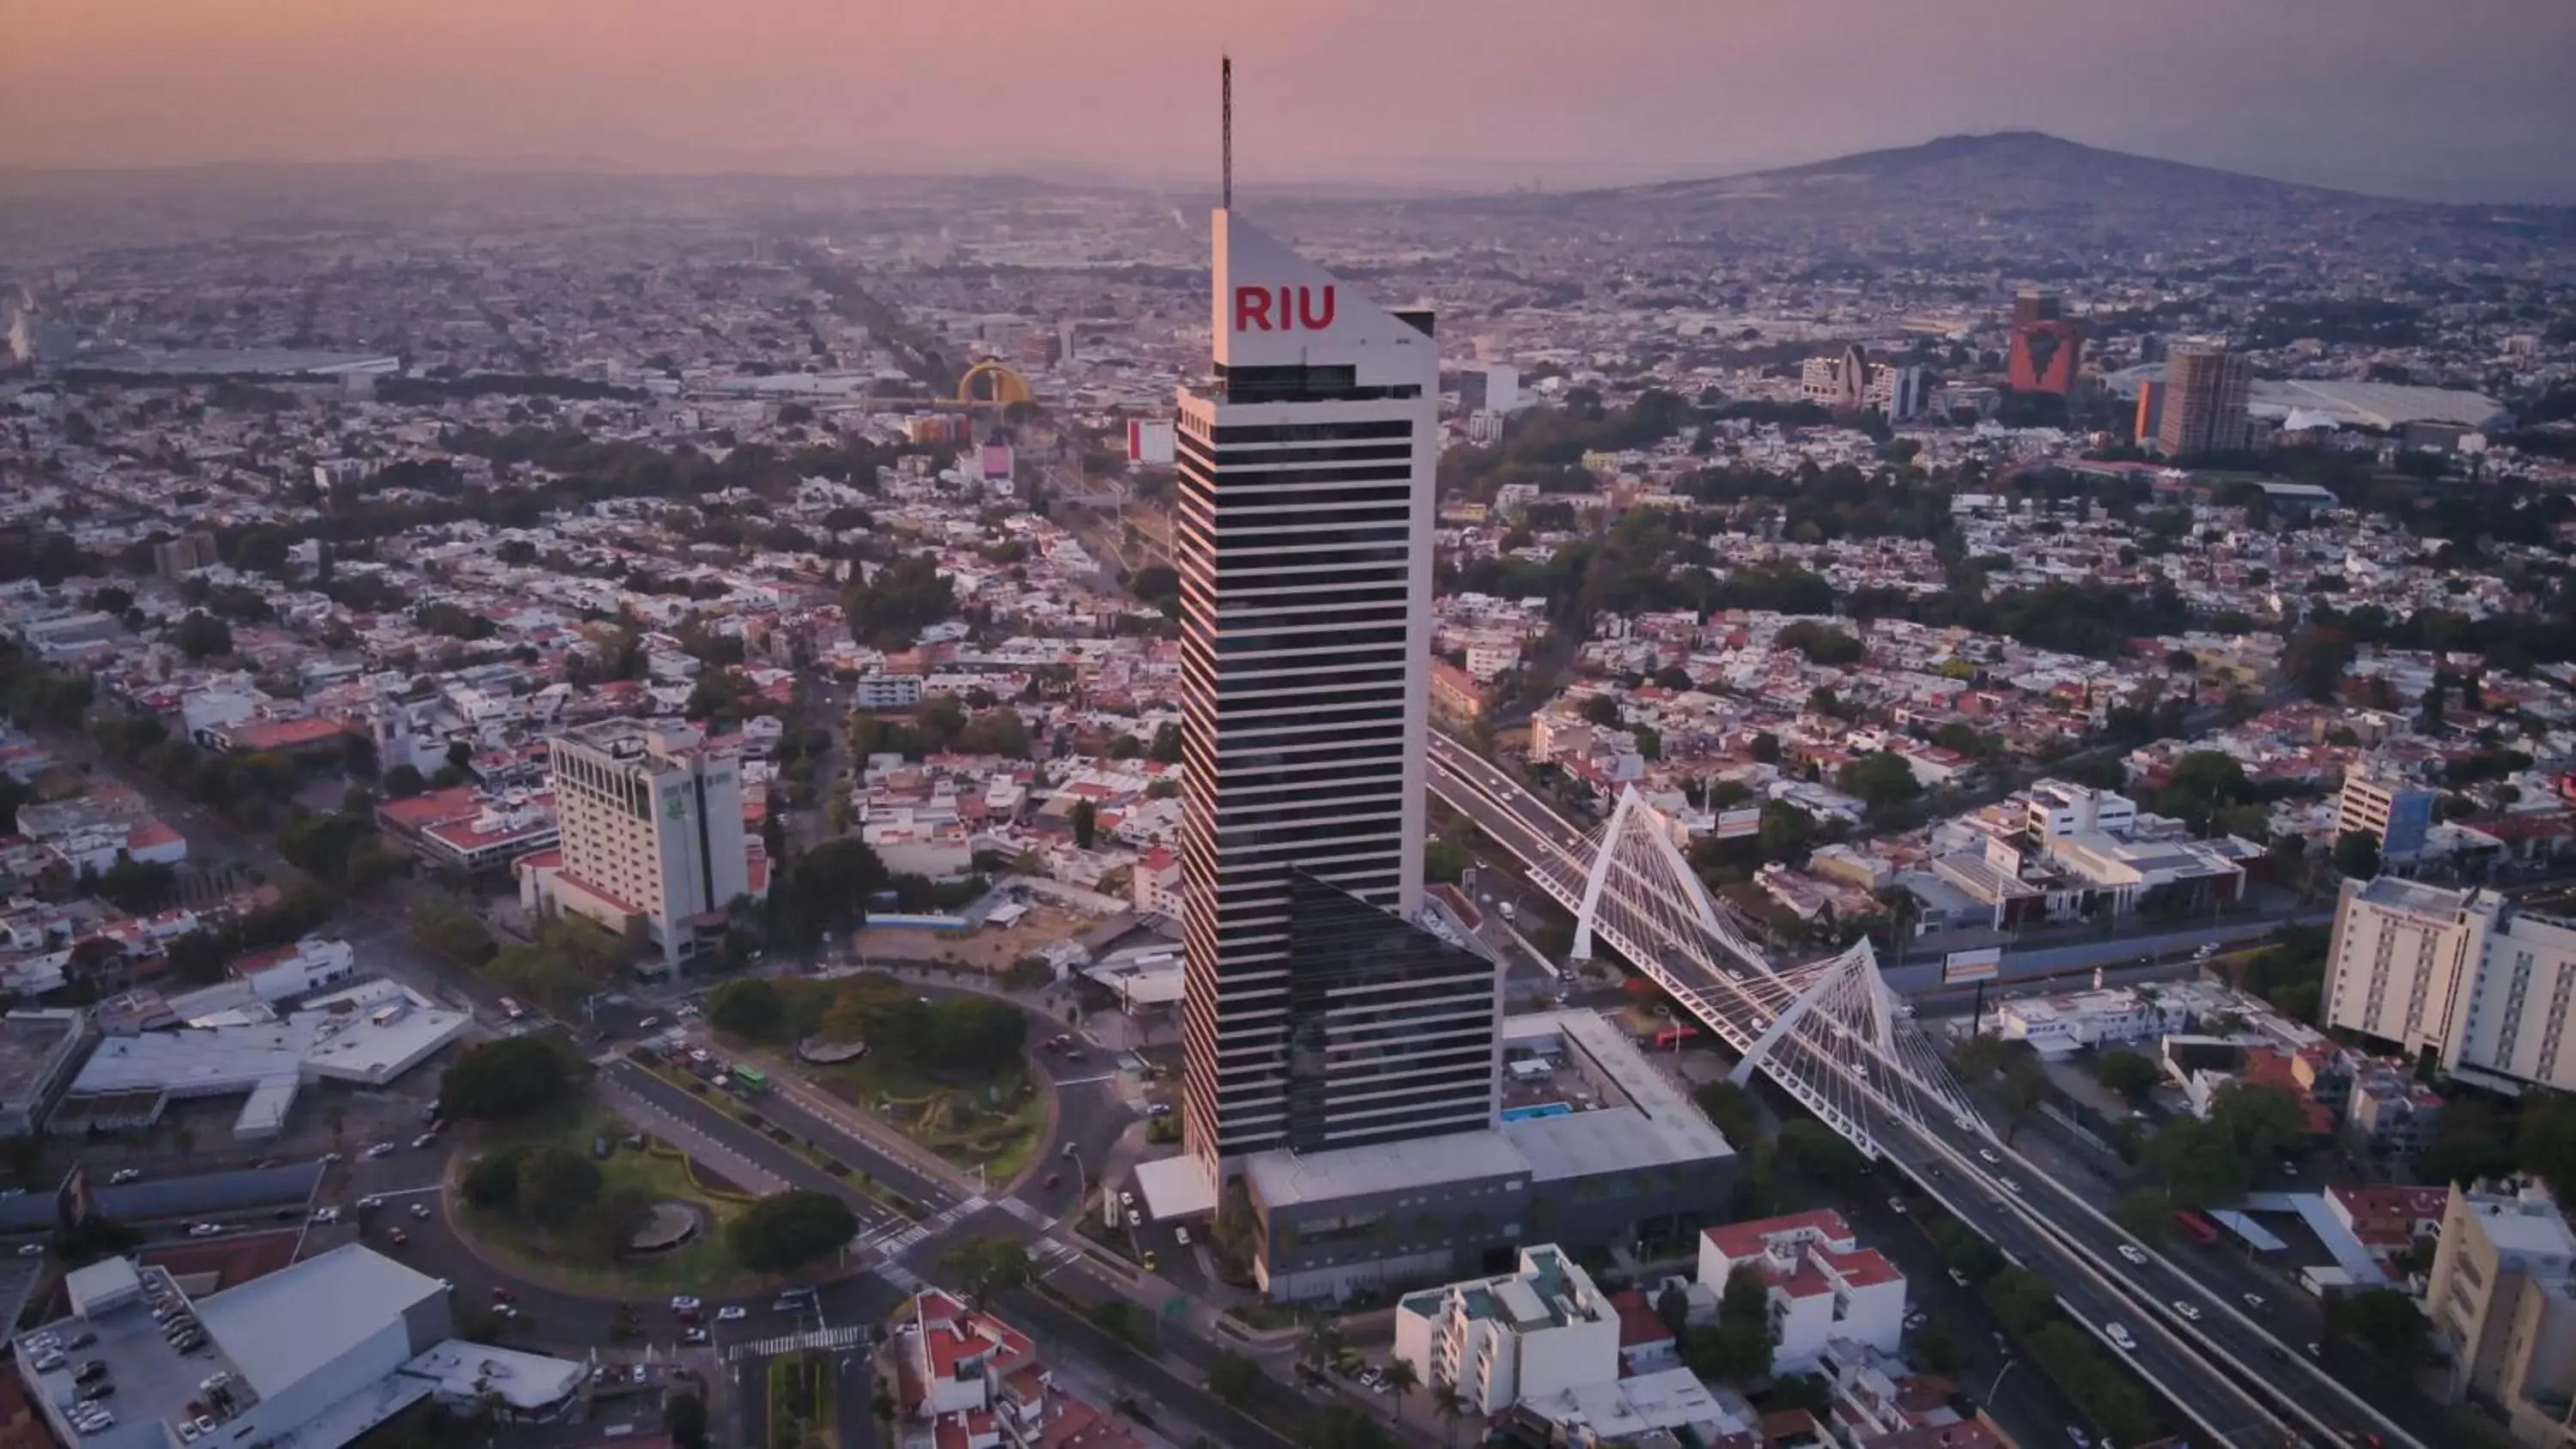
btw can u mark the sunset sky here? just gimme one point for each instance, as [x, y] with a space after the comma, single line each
[2454, 99]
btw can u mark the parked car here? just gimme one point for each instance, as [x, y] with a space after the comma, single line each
[683, 1303]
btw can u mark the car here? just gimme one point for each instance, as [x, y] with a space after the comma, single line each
[2118, 1333]
[1052, 1179]
[124, 1175]
[397, 1236]
[1916, 1318]
[330, 1159]
[1158, 1109]
[1963, 1124]
[685, 1011]
[326, 1215]
[370, 1202]
[31, 1250]
[503, 1295]
[204, 1230]
[90, 1372]
[786, 1304]
[683, 1303]
[2134, 1254]
[639, 1373]
[2316, 1351]
[1068, 1151]
[424, 1140]
[701, 1055]
[732, 1313]
[1958, 1277]
[1127, 1199]
[648, 1023]
[2076, 1434]
[1988, 1154]
[420, 1210]
[693, 1335]
[1896, 1205]
[2186, 1310]
[377, 1150]
[2010, 1186]
[505, 1311]
[1151, 1262]
[1181, 1236]
[2253, 1301]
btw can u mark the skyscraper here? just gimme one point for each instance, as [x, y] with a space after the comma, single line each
[1303, 541]
[2205, 391]
[2047, 345]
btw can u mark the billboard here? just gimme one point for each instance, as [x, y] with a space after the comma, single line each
[1983, 964]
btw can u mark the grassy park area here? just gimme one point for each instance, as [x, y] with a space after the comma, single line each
[563, 1225]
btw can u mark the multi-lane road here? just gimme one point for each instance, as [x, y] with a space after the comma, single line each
[2203, 1350]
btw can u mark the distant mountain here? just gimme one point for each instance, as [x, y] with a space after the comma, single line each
[2009, 164]
[2035, 203]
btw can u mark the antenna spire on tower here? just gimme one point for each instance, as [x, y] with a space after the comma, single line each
[1225, 128]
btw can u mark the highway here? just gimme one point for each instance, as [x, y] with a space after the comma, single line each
[2199, 1348]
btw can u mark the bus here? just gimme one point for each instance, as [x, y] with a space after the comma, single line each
[750, 1080]
[2197, 1228]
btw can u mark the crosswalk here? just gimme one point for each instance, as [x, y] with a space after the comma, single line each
[1046, 1255]
[815, 1338]
[900, 1237]
[1034, 1217]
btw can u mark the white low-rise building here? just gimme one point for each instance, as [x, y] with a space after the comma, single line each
[313, 1355]
[1541, 1330]
[1823, 1284]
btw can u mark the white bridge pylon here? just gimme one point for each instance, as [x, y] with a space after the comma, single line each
[1829, 1032]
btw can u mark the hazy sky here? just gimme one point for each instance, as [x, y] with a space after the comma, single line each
[2461, 99]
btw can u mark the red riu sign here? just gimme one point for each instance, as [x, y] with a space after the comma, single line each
[1282, 309]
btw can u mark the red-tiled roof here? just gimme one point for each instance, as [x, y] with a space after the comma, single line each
[1748, 1240]
[148, 833]
[282, 734]
[1639, 1324]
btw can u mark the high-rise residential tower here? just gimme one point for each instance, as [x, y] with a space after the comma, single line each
[1303, 540]
[2205, 392]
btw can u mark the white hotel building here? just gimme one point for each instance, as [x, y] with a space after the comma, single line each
[2486, 986]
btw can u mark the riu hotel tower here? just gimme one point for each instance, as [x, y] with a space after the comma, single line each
[1315, 1018]
[1344, 1064]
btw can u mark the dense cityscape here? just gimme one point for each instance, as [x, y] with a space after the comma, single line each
[1920, 802]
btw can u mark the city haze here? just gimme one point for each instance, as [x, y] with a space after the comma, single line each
[2369, 95]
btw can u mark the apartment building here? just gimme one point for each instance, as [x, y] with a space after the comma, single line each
[2468, 975]
[2503, 1305]
[2395, 813]
[652, 839]
[1541, 1329]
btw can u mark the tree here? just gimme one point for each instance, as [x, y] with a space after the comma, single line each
[556, 1185]
[684, 1418]
[2384, 1321]
[202, 636]
[2197, 1161]
[987, 1266]
[752, 1007]
[497, 1081]
[1086, 822]
[1341, 1427]
[1737, 1348]
[1733, 1110]
[2126, 1072]
[1321, 1344]
[402, 782]
[1765, 748]
[2259, 1118]
[2468, 1145]
[1232, 1378]
[491, 1182]
[2143, 1213]
[1603, 710]
[1883, 781]
[1402, 1378]
[1672, 1309]
[2546, 1145]
[898, 600]
[2315, 659]
[1452, 1406]
[2356, 855]
[787, 1230]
